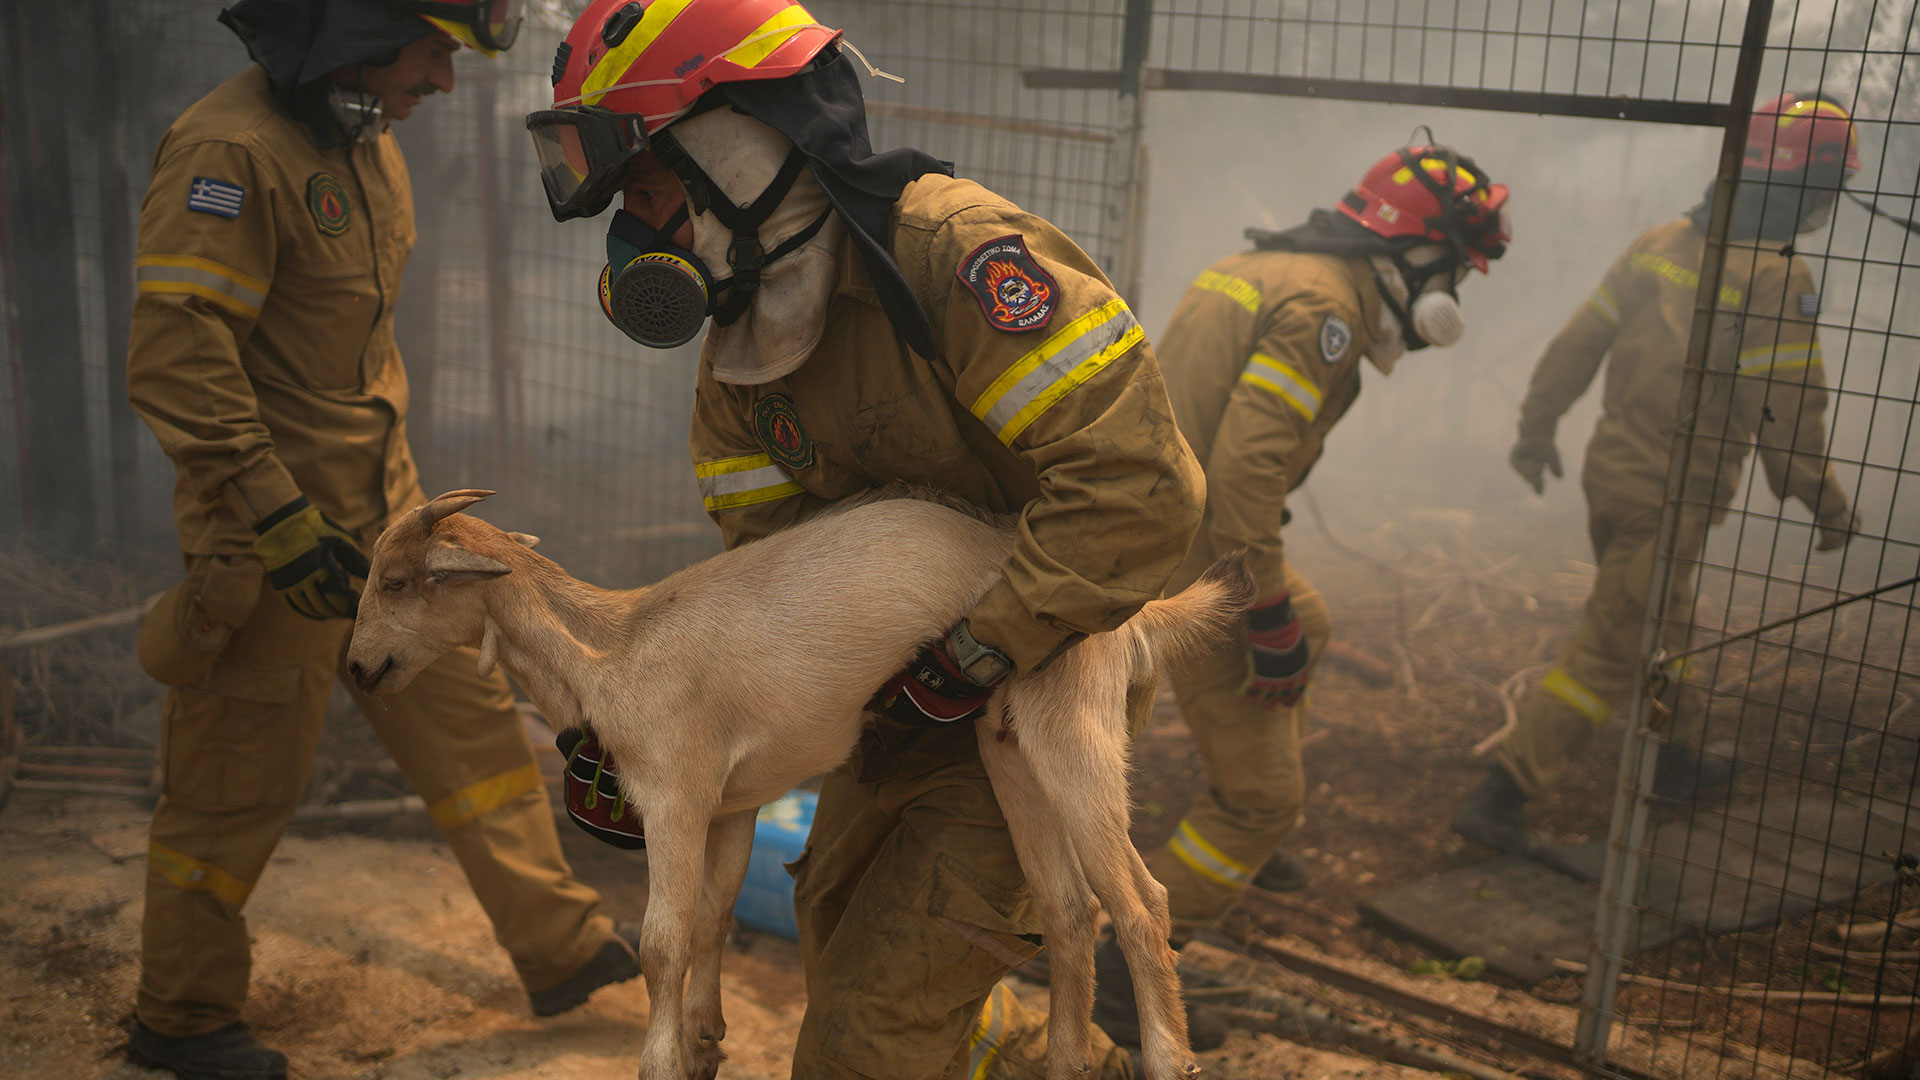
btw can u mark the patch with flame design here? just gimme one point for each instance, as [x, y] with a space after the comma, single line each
[1013, 291]
[778, 424]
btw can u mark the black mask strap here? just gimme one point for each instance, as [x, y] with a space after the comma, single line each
[745, 257]
[732, 302]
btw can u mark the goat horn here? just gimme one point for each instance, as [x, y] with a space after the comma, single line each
[449, 504]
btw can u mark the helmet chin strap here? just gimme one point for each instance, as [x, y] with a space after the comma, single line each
[745, 257]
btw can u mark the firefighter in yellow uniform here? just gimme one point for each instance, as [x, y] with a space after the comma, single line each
[876, 320]
[271, 243]
[1262, 358]
[1764, 386]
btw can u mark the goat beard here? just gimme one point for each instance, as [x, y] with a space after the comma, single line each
[789, 310]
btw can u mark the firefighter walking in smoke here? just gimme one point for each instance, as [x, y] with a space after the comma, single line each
[875, 319]
[271, 244]
[1764, 386]
[1262, 358]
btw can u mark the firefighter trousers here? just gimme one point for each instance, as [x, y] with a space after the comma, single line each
[1255, 787]
[1598, 666]
[912, 906]
[237, 745]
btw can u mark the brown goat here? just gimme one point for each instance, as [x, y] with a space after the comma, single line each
[691, 687]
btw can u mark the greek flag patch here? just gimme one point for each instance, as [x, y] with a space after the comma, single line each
[1809, 304]
[210, 196]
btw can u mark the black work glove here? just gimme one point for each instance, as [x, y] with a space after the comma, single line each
[1533, 456]
[1276, 653]
[310, 560]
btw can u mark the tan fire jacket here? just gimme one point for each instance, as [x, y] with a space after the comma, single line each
[1044, 401]
[262, 351]
[1765, 383]
[1262, 358]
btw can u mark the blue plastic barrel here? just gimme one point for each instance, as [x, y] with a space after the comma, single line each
[766, 896]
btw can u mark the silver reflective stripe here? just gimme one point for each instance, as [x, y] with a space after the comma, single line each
[742, 481]
[200, 277]
[1095, 337]
[986, 1033]
[1208, 861]
[1277, 377]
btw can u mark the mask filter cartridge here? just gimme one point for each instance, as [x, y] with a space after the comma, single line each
[1437, 318]
[657, 293]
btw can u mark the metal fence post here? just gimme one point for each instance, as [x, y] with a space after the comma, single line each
[1614, 921]
[1130, 153]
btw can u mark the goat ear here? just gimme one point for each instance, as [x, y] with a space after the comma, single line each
[525, 540]
[489, 647]
[450, 564]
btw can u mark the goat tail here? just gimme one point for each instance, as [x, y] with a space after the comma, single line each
[1199, 617]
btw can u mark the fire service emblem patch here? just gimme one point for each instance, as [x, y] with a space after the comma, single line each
[778, 424]
[1013, 291]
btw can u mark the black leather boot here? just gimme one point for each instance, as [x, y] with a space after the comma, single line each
[1118, 1014]
[614, 963]
[1283, 873]
[1495, 815]
[231, 1053]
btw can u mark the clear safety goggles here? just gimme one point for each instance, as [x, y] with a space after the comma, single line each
[488, 25]
[584, 151]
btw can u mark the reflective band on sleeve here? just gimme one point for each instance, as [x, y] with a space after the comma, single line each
[742, 481]
[1602, 301]
[204, 278]
[1578, 696]
[475, 799]
[1075, 353]
[1242, 292]
[1673, 273]
[1206, 860]
[984, 1044]
[1767, 359]
[767, 37]
[1277, 377]
[195, 876]
[612, 68]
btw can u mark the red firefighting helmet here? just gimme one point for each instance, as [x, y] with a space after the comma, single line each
[628, 69]
[486, 26]
[1803, 138]
[1421, 194]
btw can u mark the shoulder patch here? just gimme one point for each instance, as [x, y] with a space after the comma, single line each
[216, 197]
[1335, 336]
[327, 202]
[777, 423]
[1809, 304]
[1014, 293]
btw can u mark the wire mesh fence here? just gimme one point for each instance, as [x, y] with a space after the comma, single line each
[1776, 916]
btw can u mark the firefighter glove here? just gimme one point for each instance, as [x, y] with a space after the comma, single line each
[938, 688]
[1533, 457]
[594, 799]
[1276, 653]
[310, 560]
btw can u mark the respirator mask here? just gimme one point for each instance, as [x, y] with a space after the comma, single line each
[360, 113]
[660, 294]
[1427, 303]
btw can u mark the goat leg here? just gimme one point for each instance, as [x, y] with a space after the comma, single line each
[1067, 906]
[676, 858]
[729, 843]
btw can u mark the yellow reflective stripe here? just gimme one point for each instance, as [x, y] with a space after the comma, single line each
[475, 799]
[1242, 292]
[1679, 275]
[613, 67]
[1278, 377]
[984, 1044]
[1765, 359]
[1206, 860]
[200, 277]
[1075, 353]
[195, 876]
[1602, 301]
[759, 45]
[1578, 696]
[742, 481]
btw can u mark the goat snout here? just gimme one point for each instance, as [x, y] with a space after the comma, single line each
[367, 680]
